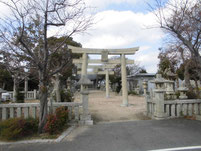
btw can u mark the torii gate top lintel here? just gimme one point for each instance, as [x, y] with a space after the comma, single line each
[127, 51]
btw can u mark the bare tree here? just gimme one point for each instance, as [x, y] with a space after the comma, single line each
[135, 69]
[16, 67]
[27, 28]
[181, 19]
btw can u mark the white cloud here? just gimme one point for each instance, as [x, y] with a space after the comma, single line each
[122, 29]
[147, 57]
[116, 29]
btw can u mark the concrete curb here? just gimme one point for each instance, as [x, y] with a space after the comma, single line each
[59, 139]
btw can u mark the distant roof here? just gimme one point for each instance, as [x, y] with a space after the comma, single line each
[142, 75]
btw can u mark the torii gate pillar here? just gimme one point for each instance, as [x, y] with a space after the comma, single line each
[84, 67]
[124, 81]
[107, 84]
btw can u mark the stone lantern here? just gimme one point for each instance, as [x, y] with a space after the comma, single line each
[169, 85]
[171, 75]
[183, 90]
[159, 82]
[170, 89]
[159, 97]
[85, 118]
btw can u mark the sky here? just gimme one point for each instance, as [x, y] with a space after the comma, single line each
[125, 24]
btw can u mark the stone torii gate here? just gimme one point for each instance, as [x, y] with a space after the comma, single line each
[106, 72]
[104, 60]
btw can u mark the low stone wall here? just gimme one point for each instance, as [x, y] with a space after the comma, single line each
[32, 110]
[162, 101]
[176, 108]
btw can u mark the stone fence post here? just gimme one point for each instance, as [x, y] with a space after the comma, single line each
[145, 87]
[159, 97]
[35, 94]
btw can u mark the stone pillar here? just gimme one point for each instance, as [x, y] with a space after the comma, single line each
[25, 87]
[159, 99]
[85, 118]
[84, 67]
[85, 103]
[124, 81]
[107, 83]
[145, 87]
[35, 94]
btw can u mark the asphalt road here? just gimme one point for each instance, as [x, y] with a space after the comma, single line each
[127, 136]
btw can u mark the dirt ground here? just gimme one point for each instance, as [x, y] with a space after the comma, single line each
[105, 109]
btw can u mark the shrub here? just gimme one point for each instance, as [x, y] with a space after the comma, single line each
[15, 128]
[118, 88]
[132, 93]
[51, 125]
[62, 115]
[56, 122]
[177, 93]
[191, 95]
[66, 96]
[20, 97]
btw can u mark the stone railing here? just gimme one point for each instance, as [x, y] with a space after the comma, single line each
[176, 108]
[162, 102]
[31, 95]
[32, 110]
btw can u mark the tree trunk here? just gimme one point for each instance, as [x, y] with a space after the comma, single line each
[43, 111]
[15, 88]
[197, 89]
[4, 85]
[43, 94]
[25, 88]
[198, 60]
[187, 76]
[57, 87]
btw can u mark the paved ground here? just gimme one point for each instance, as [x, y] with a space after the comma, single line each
[125, 136]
